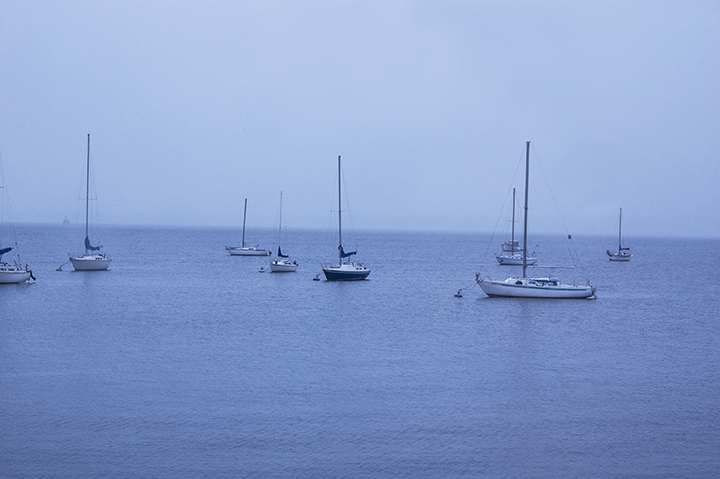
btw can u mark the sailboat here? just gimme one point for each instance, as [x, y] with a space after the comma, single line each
[283, 263]
[623, 254]
[245, 250]
[11, 273]
[93, 259]
[345, 270]
[511, 251]
[524, 287]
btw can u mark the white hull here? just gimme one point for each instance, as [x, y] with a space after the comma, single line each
[283, 266]
[246, 251]
[90, 262]
[10, 274]
[620, 257]
[534, 288]
[514, 260]
[622, 254]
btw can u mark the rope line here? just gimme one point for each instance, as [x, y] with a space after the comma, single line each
[505, 202]
[571, 251]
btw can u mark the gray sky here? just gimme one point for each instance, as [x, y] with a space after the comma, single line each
[194, 106]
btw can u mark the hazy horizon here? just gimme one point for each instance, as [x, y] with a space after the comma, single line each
[194, 106]
[499, 235]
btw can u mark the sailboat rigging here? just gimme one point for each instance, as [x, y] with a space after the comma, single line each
[10, 273]
[524, 287]
[245, 250]
[93, 259]
[623, 254]
[346, 270]
[283, 263]
[511, 251]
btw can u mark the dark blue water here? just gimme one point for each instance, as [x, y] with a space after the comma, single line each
[182, 361]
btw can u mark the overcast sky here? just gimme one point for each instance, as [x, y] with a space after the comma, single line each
[193, 106]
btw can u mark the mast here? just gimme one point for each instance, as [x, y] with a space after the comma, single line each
[512, 236]
[87, 192]
[527, 179]
[244, 216]
[620, 234]
[339, 216]
[280, 255]
[280, 222]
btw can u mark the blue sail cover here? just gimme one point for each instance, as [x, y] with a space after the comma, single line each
[344, 254]
[5, 250]
[89, 246]
[280, 254]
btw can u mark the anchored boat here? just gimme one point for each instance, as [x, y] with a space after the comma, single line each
[93, 259]
[623, 254]
[283, 263]
[245, 250]
[525, 287]
[346, 270]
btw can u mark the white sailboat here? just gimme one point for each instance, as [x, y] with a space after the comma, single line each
[623, 254]
[346, 270]
[245, 250]
[93, 259]
[10, 273]
[13, 273]
[524, 287]
[511, 250]
[283, 263]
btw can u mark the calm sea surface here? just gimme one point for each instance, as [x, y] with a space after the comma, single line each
[184, 362]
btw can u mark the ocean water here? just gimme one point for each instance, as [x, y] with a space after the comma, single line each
[184, 362]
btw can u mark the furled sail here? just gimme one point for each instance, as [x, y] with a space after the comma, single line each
[89, 246]
[344, 254]
[5, 250]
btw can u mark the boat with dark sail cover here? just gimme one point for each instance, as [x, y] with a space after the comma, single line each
[93, 259]
[346, 270]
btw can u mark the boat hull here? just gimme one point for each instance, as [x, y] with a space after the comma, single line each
[514, 260]
[620, 257]
[246, 251]
[12, 275]
[283, 266]
[534, 288]
[93, 262]
[346, 272]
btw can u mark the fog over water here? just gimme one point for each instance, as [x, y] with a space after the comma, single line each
[194, 106]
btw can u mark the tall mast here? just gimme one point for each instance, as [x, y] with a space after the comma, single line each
[280, 222]
[244, 216]
[620, 233]
[339, 216]
[87, 190]
[527, 179]
[512, 236]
